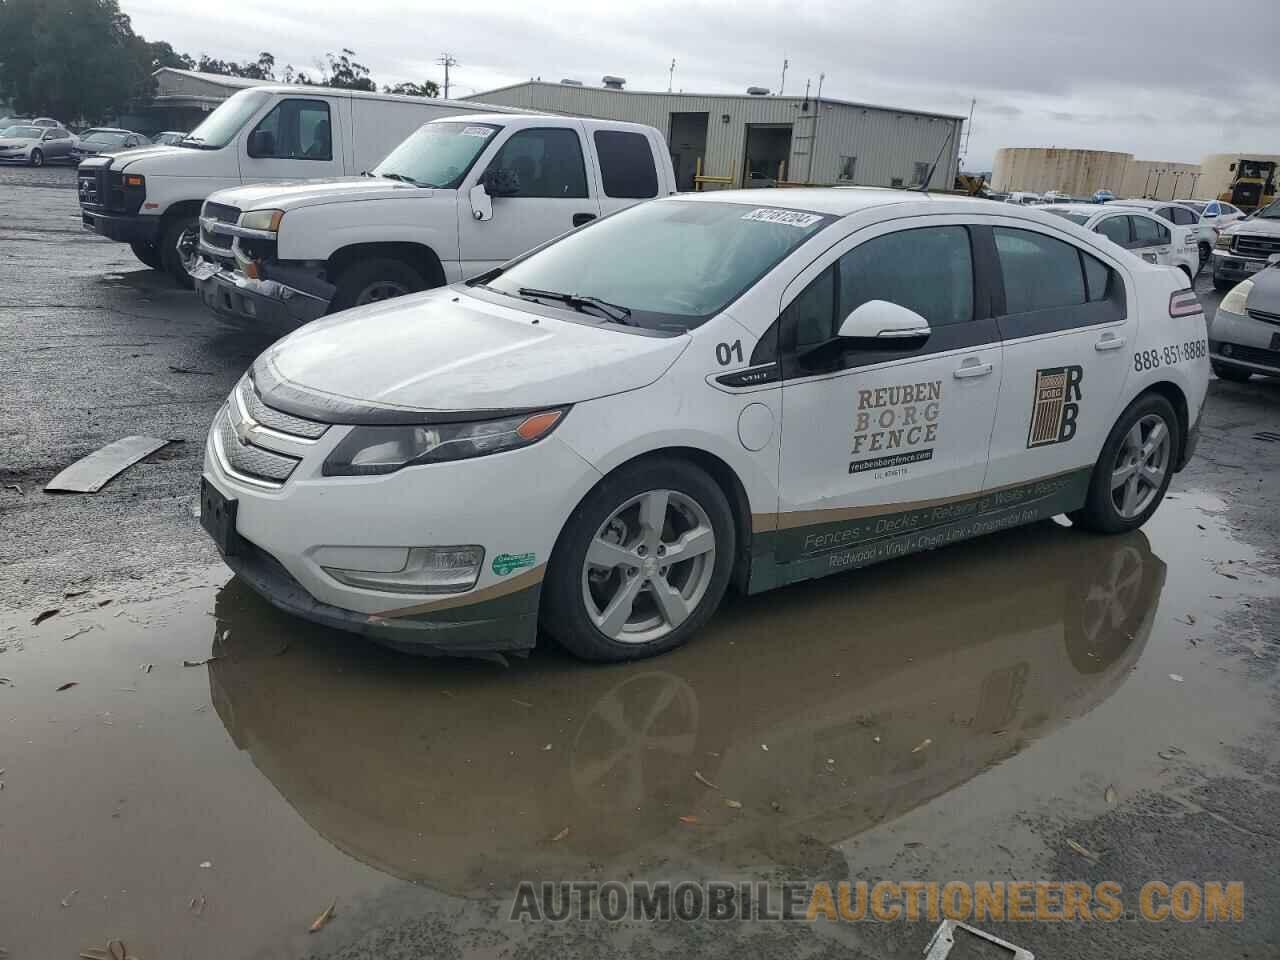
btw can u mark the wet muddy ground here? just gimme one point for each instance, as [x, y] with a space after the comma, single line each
[220, 773]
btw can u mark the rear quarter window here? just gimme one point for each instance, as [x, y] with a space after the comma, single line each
[626, 165]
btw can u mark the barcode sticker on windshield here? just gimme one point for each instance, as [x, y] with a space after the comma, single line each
[476, 131]
[792, 218]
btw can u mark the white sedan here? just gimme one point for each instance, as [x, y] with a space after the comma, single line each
[1143, 233]
[743, 387]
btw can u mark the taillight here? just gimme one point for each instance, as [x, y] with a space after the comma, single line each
[1184, 303]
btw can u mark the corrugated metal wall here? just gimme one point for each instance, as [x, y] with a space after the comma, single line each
[887, 143]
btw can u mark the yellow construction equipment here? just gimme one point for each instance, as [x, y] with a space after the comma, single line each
[1253, 184]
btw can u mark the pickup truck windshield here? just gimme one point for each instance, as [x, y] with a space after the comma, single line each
[673, 264]
[225, 122]
[437, 154]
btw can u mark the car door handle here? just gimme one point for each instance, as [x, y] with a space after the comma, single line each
[972, 367]
[1108, 341]
[580, 218]
[1163, 250]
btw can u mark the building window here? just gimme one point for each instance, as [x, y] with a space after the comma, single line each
[895, 182]
[847, 166]
[920, 174]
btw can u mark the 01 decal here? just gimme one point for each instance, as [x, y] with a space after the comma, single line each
[1055, 405]
[901, 418]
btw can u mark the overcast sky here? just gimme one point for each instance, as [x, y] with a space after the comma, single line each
[1163, 79]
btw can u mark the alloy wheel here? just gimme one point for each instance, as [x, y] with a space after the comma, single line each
[648, 566]
[381, 290]
[1142, 463]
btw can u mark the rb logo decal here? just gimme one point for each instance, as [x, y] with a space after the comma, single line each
[1055, 405]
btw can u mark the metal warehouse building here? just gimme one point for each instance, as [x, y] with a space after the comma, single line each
[757, 139]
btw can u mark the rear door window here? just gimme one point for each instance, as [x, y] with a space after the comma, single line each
[1115, 229]
[1039, 272]
[1183, 217]
[626, 165]
[1148, 233]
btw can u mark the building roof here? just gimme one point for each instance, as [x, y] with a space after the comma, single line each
[220, 79]
[717, 96]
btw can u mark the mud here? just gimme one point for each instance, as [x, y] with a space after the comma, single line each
[956, 715]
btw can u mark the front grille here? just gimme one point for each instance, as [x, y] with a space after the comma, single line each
[222, 212]
[248, 460]
[274, 419]
[1255, 246]
[1265, 317]
[220, 241]
[92, 185]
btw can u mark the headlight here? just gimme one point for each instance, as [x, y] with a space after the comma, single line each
[1234, 302]
[262, 220]
[1223, 242]
[369, 451]
[426, 570]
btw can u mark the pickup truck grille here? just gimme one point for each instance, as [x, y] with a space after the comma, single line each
[224, 214]
[1255, 246]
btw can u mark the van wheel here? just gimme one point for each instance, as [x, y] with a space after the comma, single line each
[37, 157]
[1134, 469]
[1225, 371]
[148, 253]
[371, 281]
[642, 563]
[178, 253]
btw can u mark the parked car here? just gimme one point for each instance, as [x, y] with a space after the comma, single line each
[1246, 246]
[36, 145]
[458, 197]
[1183, 214]
[588, 437]
[1244, 336]
[105, 141]
[1138, 231]
[169, 138]
[151, 199]
[1024, 198]
[1103, 196]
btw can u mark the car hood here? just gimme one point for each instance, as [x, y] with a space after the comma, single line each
[448, 350]
[291, 194]
[1265, 293]
[1258, 226]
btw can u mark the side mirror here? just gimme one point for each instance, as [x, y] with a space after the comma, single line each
[481, 206]
[262, 143]
[500, 182]
[886, 322]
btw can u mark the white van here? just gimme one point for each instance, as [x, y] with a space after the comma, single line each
[150, 198]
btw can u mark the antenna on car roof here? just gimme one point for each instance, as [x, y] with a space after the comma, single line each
[924, 187]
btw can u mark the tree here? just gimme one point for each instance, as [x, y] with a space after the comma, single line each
[261, 69]
[344, 71]
[428, 88]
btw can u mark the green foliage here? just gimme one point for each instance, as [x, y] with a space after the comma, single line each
[428, 88]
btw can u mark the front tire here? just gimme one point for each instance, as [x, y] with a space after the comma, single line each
[1226, 372]
[37, 157]
[148, 253]
[642, 563]
[372, 281]
[1134, 469]
[1222, 285]
[178, 249]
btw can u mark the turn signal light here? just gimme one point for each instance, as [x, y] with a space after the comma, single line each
[538, 424]
[133, 180]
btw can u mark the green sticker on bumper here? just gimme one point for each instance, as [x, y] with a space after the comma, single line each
[505, 563]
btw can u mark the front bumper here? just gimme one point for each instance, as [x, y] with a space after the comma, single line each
[232, 295]
[1233, 266]
[122, 227]
[1241, 341]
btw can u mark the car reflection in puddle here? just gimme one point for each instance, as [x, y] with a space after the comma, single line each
[824, 709]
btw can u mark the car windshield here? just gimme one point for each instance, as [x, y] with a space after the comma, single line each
[437, 154]
[104, 138]
[1197, 207]
[1079, 218]
[224, 123]
[1270, 212]
[21, 132]
[672, 263]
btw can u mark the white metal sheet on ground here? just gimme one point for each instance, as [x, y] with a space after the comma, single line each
[90, 474]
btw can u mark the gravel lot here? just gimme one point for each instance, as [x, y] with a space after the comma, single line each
[1056, 689]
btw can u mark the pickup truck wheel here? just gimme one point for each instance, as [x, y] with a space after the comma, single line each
[148, 253]
[37, 157]
[178, 254]
[371, 281]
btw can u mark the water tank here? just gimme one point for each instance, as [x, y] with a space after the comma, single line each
[571, 83]
[613, 83]
[758, 91]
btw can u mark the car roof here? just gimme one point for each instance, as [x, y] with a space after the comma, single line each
[107, 130]
[832, 201]
[1081, 209]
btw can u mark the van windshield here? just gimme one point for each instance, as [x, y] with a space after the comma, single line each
[437, 154]
[225, 122]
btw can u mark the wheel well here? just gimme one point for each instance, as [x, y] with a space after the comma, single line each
[1187, 270]
[1178, 400]
[417, 255]
[183, 208]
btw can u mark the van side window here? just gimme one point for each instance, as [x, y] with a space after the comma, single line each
[1039, 272]
[294, 130]
[547, 160]
[626, 165]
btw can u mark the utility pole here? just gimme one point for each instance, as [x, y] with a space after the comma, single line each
[782, 85]
[1192, 192]
[1155, 194]
[671, 74]
[446, 60]
[968, 129]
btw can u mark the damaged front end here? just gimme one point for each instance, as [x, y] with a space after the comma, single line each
[239, 277]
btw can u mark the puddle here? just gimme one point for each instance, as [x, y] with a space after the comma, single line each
[1027, 667]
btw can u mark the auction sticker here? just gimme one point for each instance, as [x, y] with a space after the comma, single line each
[477, 131]
[792, 218]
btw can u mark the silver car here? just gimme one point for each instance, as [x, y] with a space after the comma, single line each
[1244, 337]
[36, 145]
[108, 140]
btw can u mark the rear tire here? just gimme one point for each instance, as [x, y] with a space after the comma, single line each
[372, 281]
[1225, 371]
[633, 598]
[37, 157]
[148, 253]
[1206, 252]
[1135, 468]
[178, 254]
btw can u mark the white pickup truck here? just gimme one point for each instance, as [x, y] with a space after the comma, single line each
[458, 197]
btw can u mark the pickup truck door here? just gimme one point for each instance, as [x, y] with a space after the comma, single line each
[554, 196]
[298, 138]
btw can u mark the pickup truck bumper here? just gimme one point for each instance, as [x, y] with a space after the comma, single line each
[1232, 266]
[233, 296]
[122, 227]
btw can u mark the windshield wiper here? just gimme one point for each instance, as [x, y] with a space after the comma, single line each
[613, 311]
[406, 179]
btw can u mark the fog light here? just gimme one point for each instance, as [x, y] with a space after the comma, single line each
[1226, 350]
[427, 570]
